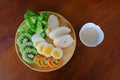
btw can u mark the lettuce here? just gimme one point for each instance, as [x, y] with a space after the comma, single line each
[45, 15]
[31, 19]
[36, 23]
[25, 29]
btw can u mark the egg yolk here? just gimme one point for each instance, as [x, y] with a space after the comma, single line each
[48, 50]
[56, 54]
[37, 43]
[41, 48]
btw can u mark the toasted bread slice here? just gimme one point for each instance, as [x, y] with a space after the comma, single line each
[53, 22]
[63, 41]
[63, 30]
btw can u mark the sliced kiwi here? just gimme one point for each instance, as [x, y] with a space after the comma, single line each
[28, 55]
[25, 37]
[26, 46]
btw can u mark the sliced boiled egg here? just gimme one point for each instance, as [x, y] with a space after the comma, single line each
[40, 47]
[57, 53]
[35, 36]
[47, 50]
[37, 41]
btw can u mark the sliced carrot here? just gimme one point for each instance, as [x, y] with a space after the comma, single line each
[56, 62]
[39, 64]
[50, 63]
[37, 60]
[44, 62]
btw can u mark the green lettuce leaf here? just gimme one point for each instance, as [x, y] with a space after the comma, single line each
[25, 29]
[36, 22]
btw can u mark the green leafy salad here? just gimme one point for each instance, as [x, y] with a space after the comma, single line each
[35, 23]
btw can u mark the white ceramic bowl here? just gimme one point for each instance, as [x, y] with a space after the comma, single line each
[99, 32]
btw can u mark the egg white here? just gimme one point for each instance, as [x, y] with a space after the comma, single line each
[46, 49]
[38, 39]
[60, 53]
[35, 36]
[42, 44]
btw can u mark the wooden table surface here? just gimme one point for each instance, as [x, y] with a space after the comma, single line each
[98, 63]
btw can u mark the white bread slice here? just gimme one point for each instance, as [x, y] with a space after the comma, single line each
[53, 22]
[63, 41]
[59, 32]
[48, 31]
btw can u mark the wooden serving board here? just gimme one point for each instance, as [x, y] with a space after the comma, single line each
[67, 52]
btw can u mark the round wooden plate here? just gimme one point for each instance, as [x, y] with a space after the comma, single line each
[67, 52]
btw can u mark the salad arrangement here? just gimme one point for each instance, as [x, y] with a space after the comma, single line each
[35, 23]
[32, 44]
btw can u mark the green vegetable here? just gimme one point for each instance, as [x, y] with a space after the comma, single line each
[25, 29]
[37, 22]
[43, 34]
[31, 19]
[45, 15]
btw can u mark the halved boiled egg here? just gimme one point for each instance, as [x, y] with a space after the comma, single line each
[40, 47]
[37, 39]
[57, 53]
[47, 50]
[35, 36]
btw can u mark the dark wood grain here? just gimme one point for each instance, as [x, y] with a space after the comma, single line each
[99, 63]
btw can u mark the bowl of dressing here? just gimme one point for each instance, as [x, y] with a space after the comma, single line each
[91, 34]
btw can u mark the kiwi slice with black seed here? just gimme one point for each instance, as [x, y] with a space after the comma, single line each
[25, 37]
[26, 46]
[28, 55]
